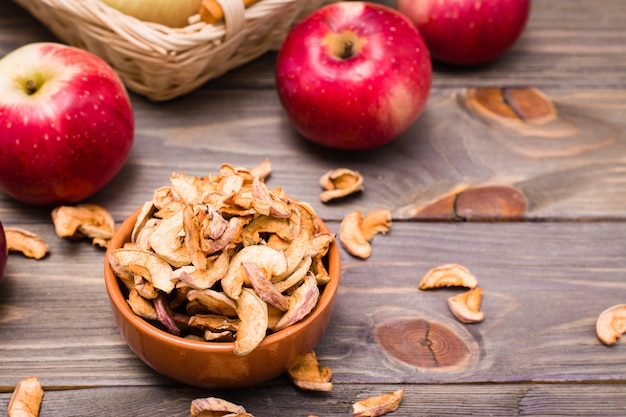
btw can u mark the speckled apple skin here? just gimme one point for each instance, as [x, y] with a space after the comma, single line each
[467, 32]
[4, 251]
[362, 102]
[68, 140]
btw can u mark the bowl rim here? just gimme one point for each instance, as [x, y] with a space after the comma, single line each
[112, 284]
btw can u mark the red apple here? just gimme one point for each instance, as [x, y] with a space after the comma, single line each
[66, 124]
[4, 251]
[353, 75]
[467, 32]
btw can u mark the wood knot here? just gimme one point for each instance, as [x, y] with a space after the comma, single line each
[506, 105]
[490, 202]
[422, 343]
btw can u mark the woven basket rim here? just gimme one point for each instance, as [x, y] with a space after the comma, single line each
[161, 62]
[155, 37]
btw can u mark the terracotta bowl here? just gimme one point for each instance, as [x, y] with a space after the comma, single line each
[213, 364]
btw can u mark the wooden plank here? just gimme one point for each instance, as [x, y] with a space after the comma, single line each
[576, 44]
[279, 400]
[534, 287]
[544, 282]
[570, 167]
[566, 45]
[544, 286]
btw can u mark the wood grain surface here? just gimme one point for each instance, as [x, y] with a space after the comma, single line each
[516, 170]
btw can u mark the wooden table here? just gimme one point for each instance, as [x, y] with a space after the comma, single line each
[536, 210]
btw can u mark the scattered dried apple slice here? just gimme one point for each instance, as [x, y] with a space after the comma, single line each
[466, 306]
[351, 236]
[26, 398]
[306, 373]
[611, 324]
[339, 183]
[378, 405]
[356, 231]
[28, 243]
[375, 222]
[82, 220]
[212, 406]
[448, 275]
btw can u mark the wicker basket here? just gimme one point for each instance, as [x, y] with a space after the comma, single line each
[161, 62]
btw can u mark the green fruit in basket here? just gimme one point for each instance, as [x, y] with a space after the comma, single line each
[166, 12]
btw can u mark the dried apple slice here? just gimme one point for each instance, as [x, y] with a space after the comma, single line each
[82, 220]
[146, 264]
[296, 276]
[339, 183]
[271, 260]
[378, 405]
[306, 373]
[356, 231]
[351, 236]
[230, 236]
[141, 306]
[28, 243]
[264, 169]
[375, 222]
[301, 303]
[214, 301]
[166, 240]
[201, 279]
[26, 398]
[466, 306]
[252, 312]
[282, 227]
[214, 322]
[188, 188]
[264, 287]
[145, 215]
[611, 324]
[212, 406]
[448, 275]
[266, 202]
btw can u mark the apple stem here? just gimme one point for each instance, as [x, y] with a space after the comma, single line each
[348, 49]
[31, 87]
